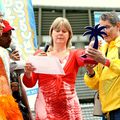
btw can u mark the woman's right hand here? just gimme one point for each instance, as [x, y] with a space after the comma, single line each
[29, 68]
[89, 68]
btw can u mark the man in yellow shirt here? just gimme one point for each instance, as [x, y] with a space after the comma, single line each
[105, 76]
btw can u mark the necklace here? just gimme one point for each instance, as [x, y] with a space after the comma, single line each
[61, 55]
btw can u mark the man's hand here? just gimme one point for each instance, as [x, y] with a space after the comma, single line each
[15, 55]
[95, 54]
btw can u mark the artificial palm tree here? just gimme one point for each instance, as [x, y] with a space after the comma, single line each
[93, 32]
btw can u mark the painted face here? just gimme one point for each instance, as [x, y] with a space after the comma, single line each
[60, 36]
[5, 39]
[112, 31]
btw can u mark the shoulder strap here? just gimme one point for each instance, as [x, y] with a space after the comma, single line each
[119, 52]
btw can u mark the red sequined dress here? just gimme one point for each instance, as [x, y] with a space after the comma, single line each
[57, 98]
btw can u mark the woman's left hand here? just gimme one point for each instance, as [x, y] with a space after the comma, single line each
[42, 53]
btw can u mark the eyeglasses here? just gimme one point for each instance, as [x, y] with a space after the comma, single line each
[107, 27]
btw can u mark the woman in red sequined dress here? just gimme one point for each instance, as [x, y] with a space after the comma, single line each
[57, 98]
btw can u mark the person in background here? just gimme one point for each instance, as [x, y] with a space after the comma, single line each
[9, 109]
[57, 98]
[105, 77]
[16, 85]
[1, 24]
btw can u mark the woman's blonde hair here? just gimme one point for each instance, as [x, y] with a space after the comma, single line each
[57, 23]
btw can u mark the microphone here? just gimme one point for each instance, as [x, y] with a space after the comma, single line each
[46, 47]
[13, 47]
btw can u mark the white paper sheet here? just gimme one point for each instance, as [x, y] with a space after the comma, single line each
[46, 64]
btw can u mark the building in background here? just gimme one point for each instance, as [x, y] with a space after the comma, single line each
[80, 13]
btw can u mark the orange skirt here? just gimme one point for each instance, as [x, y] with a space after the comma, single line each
[9, 109]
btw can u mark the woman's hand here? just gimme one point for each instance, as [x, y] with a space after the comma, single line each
[89, 68]
[29, 68]
[42, 53]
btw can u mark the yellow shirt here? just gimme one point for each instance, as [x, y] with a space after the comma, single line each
[107, 79]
